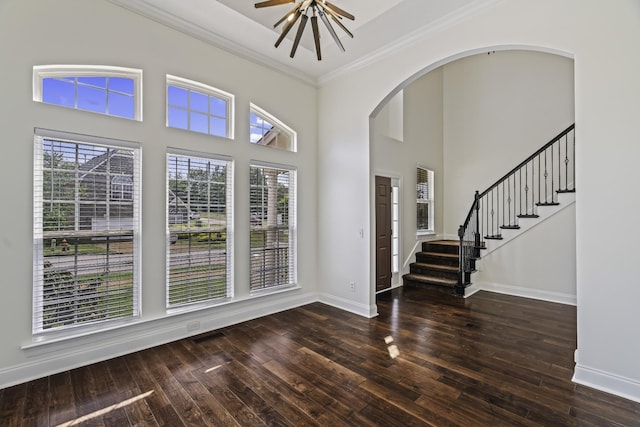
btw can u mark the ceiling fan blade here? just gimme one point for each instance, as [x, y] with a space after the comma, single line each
[336, 19]
[294, 10]
[316, 35]
[337, 10]
[287, 27]
[272, 3]
[303, 23]
[324, 18]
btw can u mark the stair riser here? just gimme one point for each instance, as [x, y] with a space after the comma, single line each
[434, 259]
[453, 275]
[445, 289]
[440, 248]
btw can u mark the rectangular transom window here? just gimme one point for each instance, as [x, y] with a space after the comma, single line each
[86, 255]
[199, 108]
[424, 200]
[272, 216]
[114, 91]
[268, 131]
[199, 218]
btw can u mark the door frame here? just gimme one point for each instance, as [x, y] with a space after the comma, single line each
[396, 276]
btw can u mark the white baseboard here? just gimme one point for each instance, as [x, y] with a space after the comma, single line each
[363, 310]
[518, 291]
[607, 382]
[471, 289]
[52, 358]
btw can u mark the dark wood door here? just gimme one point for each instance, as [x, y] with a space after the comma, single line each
[383, 233]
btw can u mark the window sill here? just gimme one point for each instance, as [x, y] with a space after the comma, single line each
[39, 343]
[425, 233]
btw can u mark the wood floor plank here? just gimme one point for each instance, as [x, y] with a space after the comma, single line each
[136, 408]
[216, 385]
[160, 405]
[427, 359]
[36, 405]
[62, 405]
[12, 405]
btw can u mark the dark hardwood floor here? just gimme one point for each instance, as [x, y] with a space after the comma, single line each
[427, 359]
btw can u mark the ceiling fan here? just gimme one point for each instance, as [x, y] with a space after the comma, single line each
[317, 8]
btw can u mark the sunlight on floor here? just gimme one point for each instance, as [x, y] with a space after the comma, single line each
[392, 348]
[212, 369]
[106, 410]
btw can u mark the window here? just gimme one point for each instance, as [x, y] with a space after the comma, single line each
[199, 108]
[395, 226]
[272, 210]
[122, 187]
[424, 203]
[86, 259]
[268, 131]
[114, 91]
[199, 215]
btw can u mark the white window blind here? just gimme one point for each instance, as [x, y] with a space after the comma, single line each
[114, 91]
[86, 252]
[199, 228]
[424, 200]
[272, 226]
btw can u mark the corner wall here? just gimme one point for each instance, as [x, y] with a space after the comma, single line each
[35, 32]
[602, 38]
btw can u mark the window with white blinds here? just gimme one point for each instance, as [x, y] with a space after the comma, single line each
[199, 229]
[86, 255]
[424, 200]
[272, 226]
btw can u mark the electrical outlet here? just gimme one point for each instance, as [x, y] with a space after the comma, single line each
[193, 326]
[352, 286]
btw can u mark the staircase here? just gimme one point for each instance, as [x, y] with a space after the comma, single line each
[511, 205]
[436, 267]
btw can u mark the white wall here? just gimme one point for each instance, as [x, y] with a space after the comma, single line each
[539, 263]
[602, 38]
[499, 108]
[34, 32]
[422, 146]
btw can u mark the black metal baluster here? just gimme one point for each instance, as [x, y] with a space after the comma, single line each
[566, 162]
[539, 178]
[546, 174]
[520, 189]
[509, 200]
[552, 201]
[526, 190]
[574, 160]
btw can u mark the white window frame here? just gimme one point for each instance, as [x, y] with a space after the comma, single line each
[207, 90]
[428, 199]
[41, 72]
[81, 328]
[277, 123]
[172, 234]
[292, 267]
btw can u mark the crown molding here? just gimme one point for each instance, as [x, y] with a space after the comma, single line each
[147, 10]
[408, 40]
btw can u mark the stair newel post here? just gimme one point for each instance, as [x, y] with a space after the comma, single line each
[476, 240]
[461, 262]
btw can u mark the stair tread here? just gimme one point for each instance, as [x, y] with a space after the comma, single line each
[439, 254]
[435, 266]
[444, 242]
[430, 279]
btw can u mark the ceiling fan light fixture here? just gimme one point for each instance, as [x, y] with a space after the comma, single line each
[321, 8]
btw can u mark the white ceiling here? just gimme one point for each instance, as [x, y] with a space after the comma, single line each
[237, 26]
